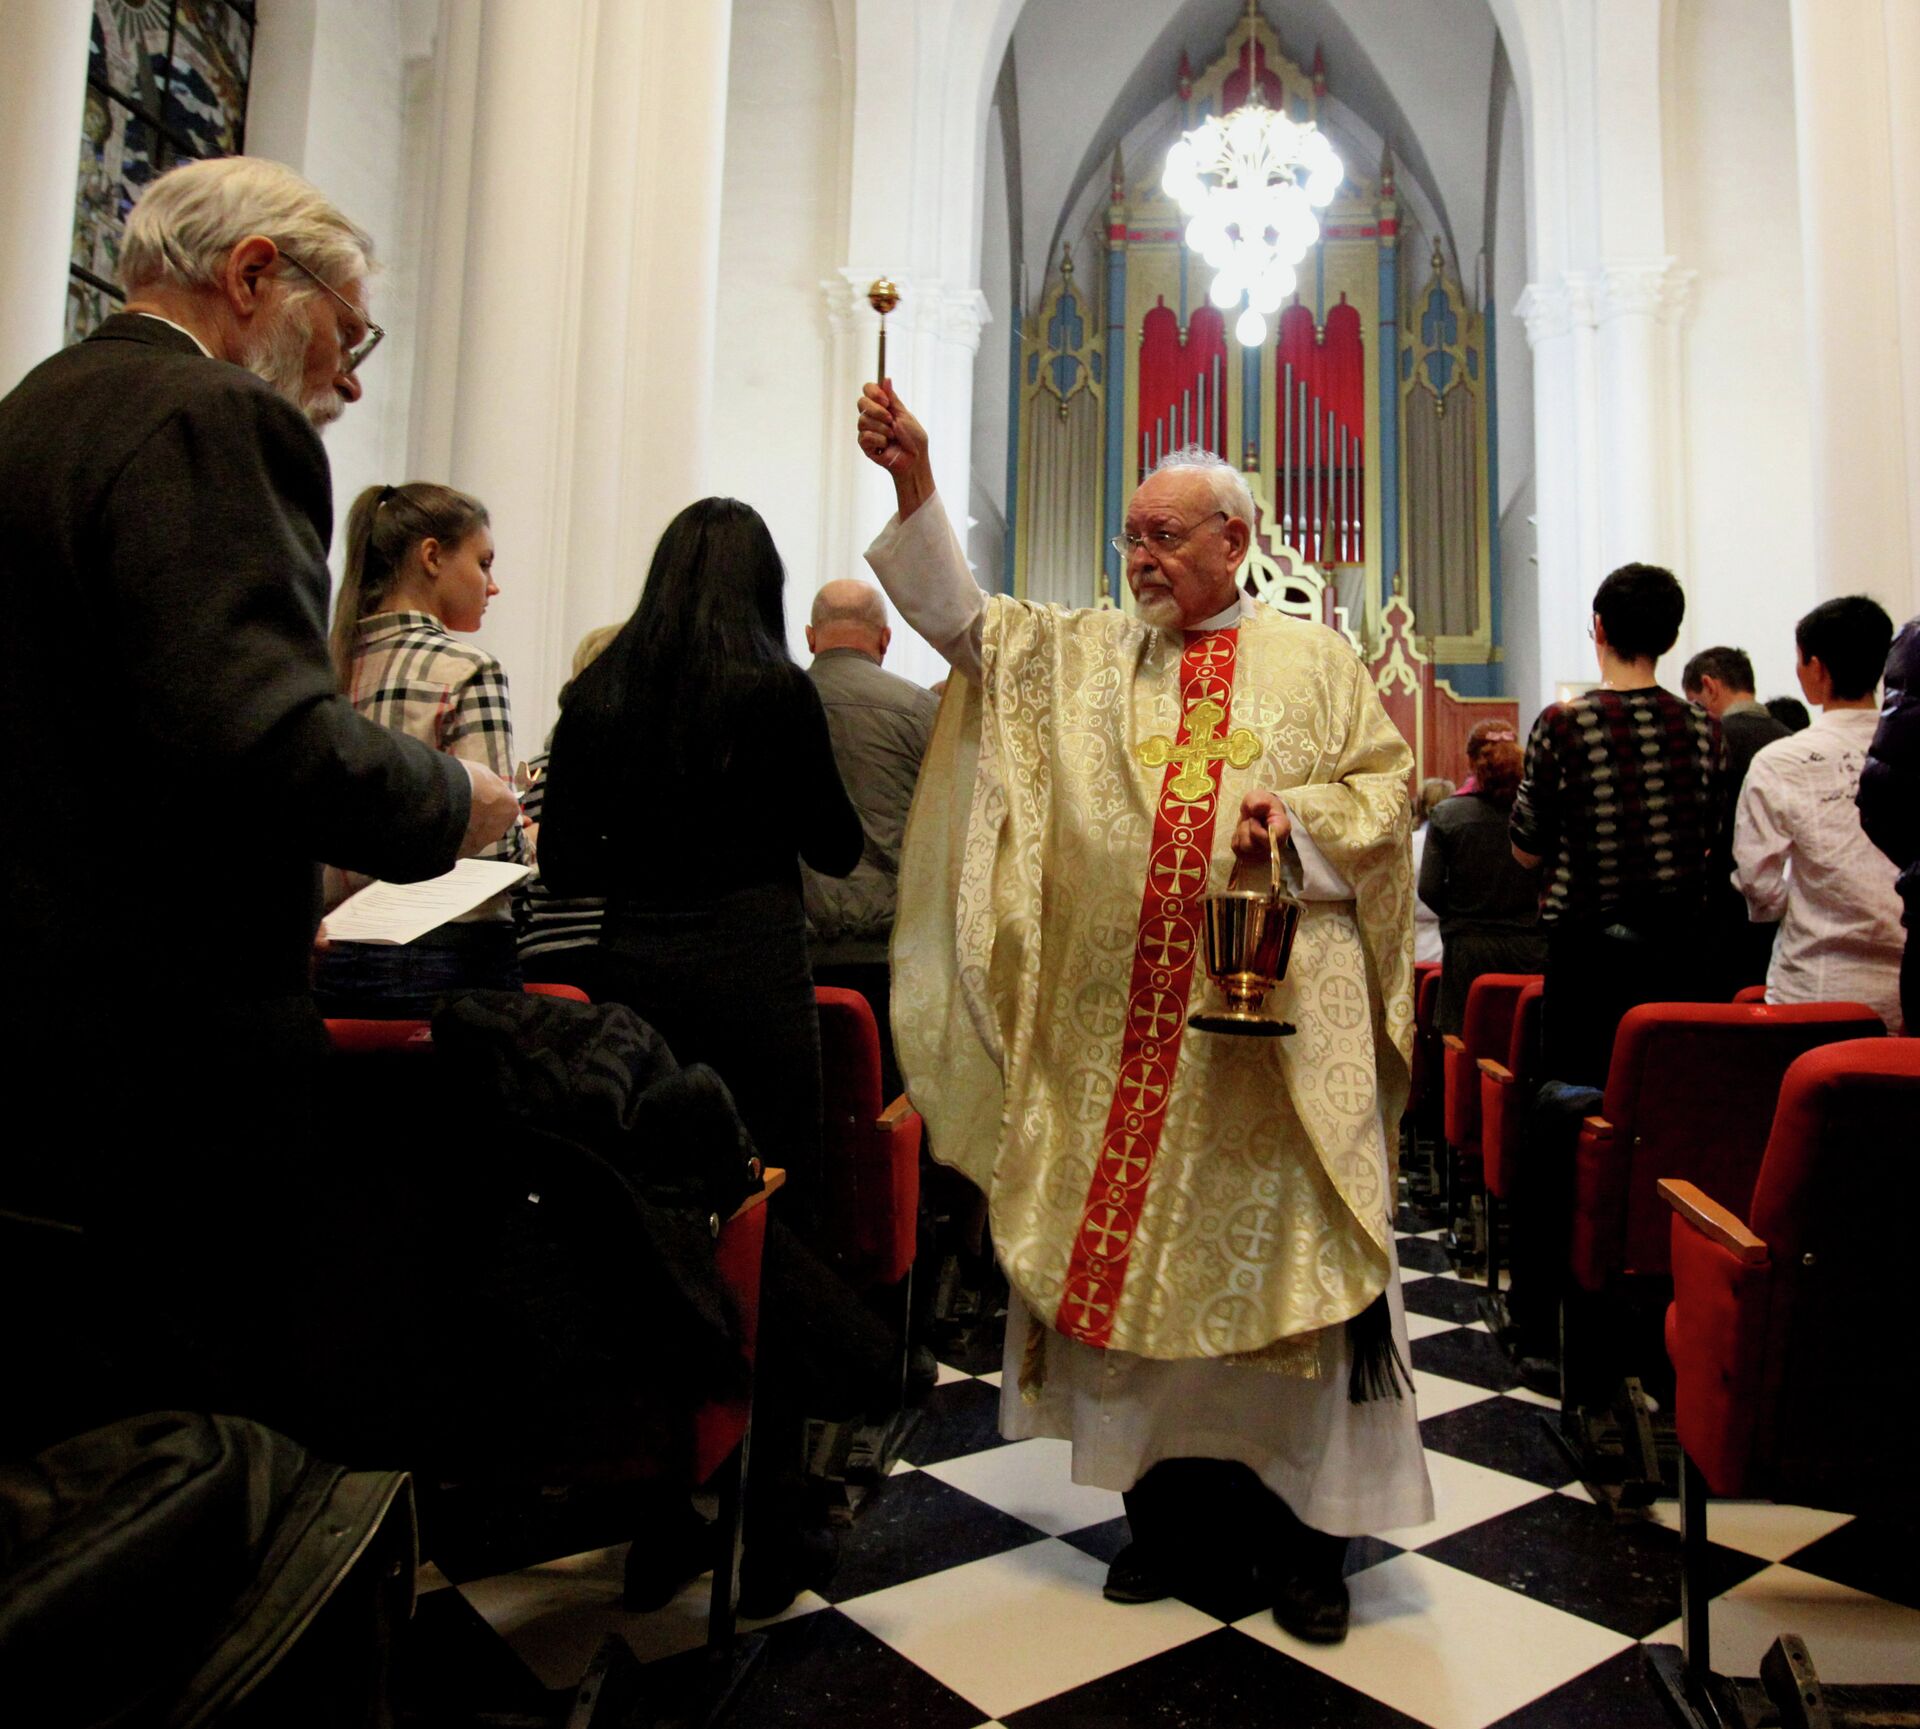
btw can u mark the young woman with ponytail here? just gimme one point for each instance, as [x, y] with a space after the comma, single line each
[419, 567]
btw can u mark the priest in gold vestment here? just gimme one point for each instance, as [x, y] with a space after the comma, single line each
[1196, 1229]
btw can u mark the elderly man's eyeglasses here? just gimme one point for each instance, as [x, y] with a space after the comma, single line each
[1159, 539]
[368, 343]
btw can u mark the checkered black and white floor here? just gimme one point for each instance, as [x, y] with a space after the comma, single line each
[969, 1591]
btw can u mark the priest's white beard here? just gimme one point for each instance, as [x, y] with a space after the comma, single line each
[279, 360]
[1158, 607]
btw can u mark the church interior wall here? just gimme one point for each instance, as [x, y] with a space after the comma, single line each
[1733, 218]
[1513, 386]
[999, 347]
[780, 237]
[328, 98]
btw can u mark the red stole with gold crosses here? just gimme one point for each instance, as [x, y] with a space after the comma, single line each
[1165, 953]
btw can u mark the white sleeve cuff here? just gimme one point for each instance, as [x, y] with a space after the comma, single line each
[1308, 874]
[920, 565]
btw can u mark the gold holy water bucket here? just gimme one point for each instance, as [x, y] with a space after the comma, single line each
[1249, 938]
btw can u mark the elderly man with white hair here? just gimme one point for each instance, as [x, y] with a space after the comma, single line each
[1197, 1229]
[180, 757]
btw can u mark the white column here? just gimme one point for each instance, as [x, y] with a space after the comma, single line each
[1638, 311]
[566, 362]
[46, 97]
[1557, 319]
[1856, 74]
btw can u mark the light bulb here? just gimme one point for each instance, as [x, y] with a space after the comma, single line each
[1225, 290]
[1251, 329]
[1179, 171]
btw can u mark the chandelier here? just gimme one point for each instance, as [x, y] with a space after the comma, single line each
[1250, 183]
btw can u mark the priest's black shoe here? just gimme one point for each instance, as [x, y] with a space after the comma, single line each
[1133, 1578]
[1313, 1607]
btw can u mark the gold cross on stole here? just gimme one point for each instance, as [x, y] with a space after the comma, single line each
[1204, 745]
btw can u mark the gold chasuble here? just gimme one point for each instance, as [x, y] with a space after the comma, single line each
[1155, 1190]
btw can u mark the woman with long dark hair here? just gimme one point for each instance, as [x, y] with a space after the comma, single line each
[690, 773]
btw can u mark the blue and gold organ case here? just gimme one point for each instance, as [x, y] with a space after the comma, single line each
[1363, 423]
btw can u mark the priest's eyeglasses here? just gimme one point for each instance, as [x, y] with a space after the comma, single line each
[1159, 539]
[368, 343]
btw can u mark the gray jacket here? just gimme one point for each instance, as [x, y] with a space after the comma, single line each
[880, 726]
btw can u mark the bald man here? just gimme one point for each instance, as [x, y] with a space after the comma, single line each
[880, 725]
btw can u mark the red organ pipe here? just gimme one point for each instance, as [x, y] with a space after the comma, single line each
[1319, 425]
[1182, 384]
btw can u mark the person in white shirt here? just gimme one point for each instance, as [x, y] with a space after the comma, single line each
[1426, 922]
[1800, 854]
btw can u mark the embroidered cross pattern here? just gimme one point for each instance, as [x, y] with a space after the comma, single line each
[1164, 954]
[1200, 748]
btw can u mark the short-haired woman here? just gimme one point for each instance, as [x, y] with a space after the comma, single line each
[419, 567]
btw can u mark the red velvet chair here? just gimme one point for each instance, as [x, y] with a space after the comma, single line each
[566, 993]
[1506, 1093]
[1785, 1383]
[870, 1171]
[1485, 1032]
[1690, 1095]
[871, 1150]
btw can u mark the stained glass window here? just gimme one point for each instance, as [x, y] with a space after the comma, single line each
[167, 80]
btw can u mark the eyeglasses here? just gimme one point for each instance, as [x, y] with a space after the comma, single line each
[1160, 539]
[356, 355]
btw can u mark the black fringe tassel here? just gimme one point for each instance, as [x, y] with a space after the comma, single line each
[1377, 1370]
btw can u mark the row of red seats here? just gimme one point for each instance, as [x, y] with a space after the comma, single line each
[1743, 1160]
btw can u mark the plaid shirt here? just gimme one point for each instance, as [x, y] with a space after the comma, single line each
[410, 674]
[1626, 798]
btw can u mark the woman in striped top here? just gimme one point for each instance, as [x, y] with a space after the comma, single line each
[419, 567]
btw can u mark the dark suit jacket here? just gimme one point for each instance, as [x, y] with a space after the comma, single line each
[1748, 732]
[178, 757]
[1889, 796]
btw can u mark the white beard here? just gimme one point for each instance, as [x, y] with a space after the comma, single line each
[279, 360]
[1158, 607]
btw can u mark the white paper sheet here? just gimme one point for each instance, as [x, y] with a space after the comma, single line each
[395, 913]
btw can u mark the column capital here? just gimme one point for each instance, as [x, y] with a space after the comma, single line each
[1547, 311]
[1654, 288]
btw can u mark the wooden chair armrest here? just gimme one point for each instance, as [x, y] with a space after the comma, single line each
[1598, 1126]
[1495, 1071]
[895, 1114]
[1453, 1042]
[771, 1179]
[1711, 1220]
